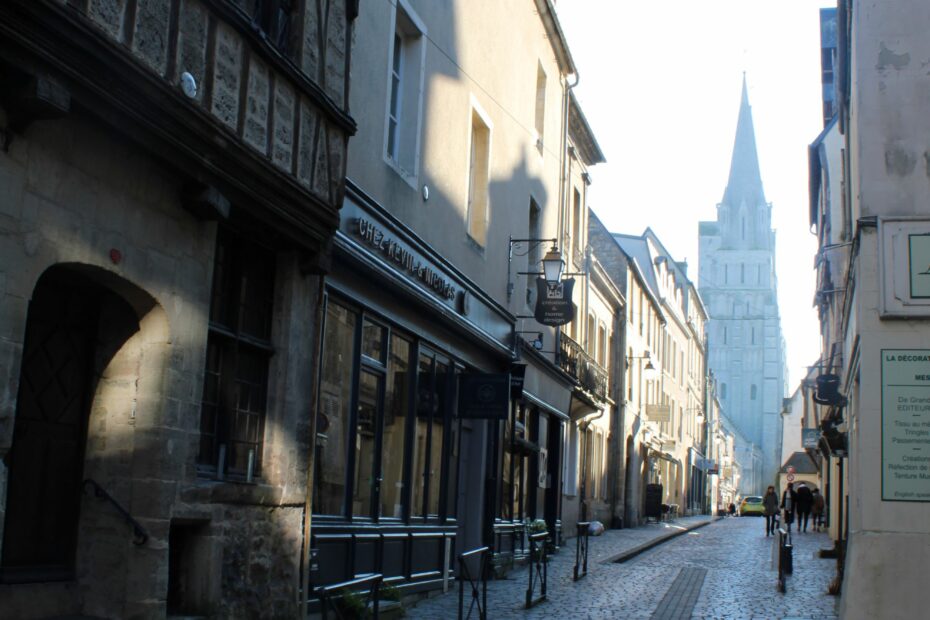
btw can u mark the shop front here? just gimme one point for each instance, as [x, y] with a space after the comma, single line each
[398, 476]
[527, 456]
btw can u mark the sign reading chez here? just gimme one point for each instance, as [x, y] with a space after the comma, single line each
[554, 303]
[399, 255]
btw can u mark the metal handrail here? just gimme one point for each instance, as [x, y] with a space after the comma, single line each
[140, 536]
[327, 600]
[581, 550]
[474, 581]
[539, 568]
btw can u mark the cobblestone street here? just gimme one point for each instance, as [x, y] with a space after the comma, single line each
[723, 570]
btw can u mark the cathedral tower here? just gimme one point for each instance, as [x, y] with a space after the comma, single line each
[738, 284]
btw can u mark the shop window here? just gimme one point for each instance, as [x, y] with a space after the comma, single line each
[332, 439]
[238, 351]
[366, 398]
[397, 404]
[515, 468]
[433, 415]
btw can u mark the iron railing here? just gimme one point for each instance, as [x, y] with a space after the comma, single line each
[580, 365]
[581, 550]
[539, 569]
[364, 592]
[473, 569]
[140, 536]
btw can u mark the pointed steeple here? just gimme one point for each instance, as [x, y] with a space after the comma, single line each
[745, 183]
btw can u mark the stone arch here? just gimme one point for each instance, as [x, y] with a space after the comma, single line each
[94, 356]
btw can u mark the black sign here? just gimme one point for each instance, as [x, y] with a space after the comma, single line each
[484, 396]
[554, 303]
[517, 377]
[653, 501]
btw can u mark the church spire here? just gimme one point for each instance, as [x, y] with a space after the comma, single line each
[745, 183]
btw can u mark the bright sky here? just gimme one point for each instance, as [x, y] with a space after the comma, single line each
[660, 86]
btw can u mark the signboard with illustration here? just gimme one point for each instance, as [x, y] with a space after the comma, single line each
[554, 303]
[906, 425]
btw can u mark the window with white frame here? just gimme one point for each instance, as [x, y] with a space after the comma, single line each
[478, 178]
[402, 130]
[540, 107]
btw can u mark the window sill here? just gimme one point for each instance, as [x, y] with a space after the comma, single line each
[474, 245]
[232, 492]
[408, 177]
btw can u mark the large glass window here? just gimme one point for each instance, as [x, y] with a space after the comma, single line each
[238, 350]
[397, 403]
[332, 437]
[434, 403]
[366, 399]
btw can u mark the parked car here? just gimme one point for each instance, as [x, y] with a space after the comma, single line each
[751, 505]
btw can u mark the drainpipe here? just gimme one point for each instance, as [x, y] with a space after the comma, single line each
[563, 184]
[618, 435]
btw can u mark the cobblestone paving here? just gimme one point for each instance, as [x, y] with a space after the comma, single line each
[739, 583]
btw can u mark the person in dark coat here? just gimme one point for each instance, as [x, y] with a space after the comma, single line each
[770, 509]
[789, 503]
[805, 501]
[817, 511]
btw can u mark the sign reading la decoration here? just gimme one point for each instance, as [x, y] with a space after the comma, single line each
[906, 425]
[554, 303]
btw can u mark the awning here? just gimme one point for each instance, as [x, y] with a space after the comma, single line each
[545, 389]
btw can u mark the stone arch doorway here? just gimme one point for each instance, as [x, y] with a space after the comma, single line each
[80, 323]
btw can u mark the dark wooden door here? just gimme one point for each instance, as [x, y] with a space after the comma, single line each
[46, 459]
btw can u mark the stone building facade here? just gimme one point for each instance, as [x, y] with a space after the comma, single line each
[170, 179]
[869, 208]
[738, 283]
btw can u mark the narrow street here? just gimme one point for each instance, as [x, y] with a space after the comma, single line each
[728, 563]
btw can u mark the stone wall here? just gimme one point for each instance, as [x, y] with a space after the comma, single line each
[243, 82]
[72, 193]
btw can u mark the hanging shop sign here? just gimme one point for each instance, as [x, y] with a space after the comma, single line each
[906, 425]
[484, 396]
[809, 438]
[659, 413]
[554, 303]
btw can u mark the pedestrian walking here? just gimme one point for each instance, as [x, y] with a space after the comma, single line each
[770, 509]
[789, 504]
[805, 501]
[817, 507]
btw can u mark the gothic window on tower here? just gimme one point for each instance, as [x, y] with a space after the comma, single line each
[752, 392]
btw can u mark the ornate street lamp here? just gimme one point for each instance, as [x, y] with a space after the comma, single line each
[553, 266]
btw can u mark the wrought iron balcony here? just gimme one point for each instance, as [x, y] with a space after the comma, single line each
[591, 375]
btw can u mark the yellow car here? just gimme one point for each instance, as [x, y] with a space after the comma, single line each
[751, 505]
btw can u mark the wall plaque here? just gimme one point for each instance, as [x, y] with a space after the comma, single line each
[906, 425]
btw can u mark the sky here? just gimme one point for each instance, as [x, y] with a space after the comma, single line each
[660, 83]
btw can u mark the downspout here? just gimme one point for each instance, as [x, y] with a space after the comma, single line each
[618, 434]
[563, 184]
